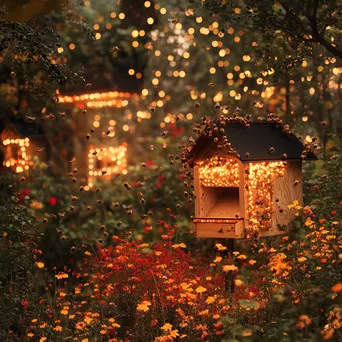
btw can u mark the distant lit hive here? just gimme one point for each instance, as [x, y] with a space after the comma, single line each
[106, 161]
[16, 154]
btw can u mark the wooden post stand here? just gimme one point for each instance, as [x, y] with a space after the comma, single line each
[229, 278]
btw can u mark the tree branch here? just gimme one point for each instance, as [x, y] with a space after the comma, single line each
[319, 38]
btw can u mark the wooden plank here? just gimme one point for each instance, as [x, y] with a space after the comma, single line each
[197, 189]
[242, 199]
[208, 198]
[215, 230]
[284, 192]
[227, 203]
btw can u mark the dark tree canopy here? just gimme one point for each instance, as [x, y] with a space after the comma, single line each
[296, 25]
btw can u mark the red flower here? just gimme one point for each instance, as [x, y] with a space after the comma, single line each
[24, 304]
[158, 185]
[52, 200]
[26, 192]
[149, 163]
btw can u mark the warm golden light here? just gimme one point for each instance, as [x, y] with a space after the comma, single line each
[17, 160]
[259, 184]
[99, 100]
[106, 161]
[219, 171]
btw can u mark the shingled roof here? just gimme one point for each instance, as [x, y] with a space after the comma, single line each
[256, 141]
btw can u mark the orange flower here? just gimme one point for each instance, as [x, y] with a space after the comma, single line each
[166, 327]
[302, 259]
[144, 306]
[174, 333]
[201, 289]
[218, 259]
[57, 328]
[61, 275]
[220, 247]
[40, 264]
[337, 287]
[227, 268]
[80, 325]
[210, 300]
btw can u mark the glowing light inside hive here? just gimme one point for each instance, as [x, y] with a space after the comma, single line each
[20, 162]
[259, 184]
[106, 161]
[219, 172]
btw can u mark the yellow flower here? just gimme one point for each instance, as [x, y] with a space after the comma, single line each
[34, 320]
[85, 340]
[62, 294]
[252, 262]
[61, 275]
[43, 325]
[144, 306]
[42, 339]
[227, 268]
[103, 332]
[309, 222]
[57, 328]
[40, 264]
[64, 312]
[201, 289]
[30, 335]
[302, 259]
[220, 247]
[210, 300]
[180, 245]
[242, 257]
[87, 253]
[238, 282]
[88, 320]
[204, 312]
[218, 259]
[166, 327]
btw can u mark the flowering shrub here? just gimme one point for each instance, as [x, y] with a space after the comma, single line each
[151, 286]
[133, 291]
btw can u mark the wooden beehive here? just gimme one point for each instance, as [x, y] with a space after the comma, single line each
[244, 190]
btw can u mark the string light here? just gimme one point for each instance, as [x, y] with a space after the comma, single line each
[21, 163]
[99, 100]
[106, 161]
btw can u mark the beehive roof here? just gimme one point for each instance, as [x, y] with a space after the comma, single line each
[253, 143]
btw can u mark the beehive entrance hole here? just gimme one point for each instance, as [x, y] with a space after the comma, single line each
[224, 202]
